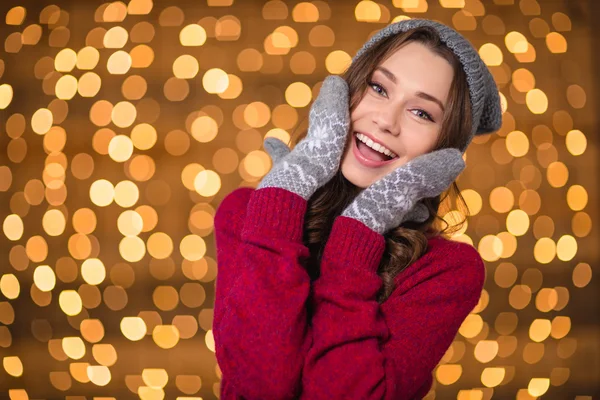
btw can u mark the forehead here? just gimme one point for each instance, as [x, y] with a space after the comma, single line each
[418, 67]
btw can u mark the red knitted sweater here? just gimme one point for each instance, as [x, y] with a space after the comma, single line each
[268, 347]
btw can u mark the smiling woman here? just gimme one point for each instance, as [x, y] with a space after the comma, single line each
[339, 254]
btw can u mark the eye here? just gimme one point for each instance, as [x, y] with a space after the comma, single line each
[377, 88]
[425, 114]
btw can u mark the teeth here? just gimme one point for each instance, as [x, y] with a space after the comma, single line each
[375, 146]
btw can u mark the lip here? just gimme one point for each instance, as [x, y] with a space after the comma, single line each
[365, 161]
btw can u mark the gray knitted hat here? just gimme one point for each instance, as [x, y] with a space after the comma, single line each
[485, 101]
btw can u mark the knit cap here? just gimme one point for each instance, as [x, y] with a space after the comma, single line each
[483, 92]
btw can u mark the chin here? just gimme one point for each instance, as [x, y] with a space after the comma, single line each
[357, 178]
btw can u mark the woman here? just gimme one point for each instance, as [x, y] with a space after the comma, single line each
[334, 280]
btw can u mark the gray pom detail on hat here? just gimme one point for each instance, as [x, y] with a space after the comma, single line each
[484, 97]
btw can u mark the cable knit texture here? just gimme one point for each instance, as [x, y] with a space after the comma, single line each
[386, 203]
[267, 345]
[316, 158]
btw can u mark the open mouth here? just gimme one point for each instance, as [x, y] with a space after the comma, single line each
[370, 154]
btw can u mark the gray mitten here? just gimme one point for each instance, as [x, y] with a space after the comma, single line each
[386, 203]
[316, 158]
[277, 150]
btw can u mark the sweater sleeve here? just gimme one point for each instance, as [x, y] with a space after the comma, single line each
[260, 322]
[364, 350]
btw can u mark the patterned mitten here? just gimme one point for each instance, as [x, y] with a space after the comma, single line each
[278, 150]
[386, 203]
[316, 158]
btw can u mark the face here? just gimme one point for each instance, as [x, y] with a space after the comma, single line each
[402, 110]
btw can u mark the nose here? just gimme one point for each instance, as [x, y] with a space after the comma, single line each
[386, 119]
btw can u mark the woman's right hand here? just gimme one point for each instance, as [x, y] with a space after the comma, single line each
[316, 158]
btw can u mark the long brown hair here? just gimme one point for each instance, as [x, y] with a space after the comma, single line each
[407, 242]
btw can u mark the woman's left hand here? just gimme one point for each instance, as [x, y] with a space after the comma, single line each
[387, 202]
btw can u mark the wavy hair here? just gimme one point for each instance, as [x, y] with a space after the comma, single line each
[407, 242]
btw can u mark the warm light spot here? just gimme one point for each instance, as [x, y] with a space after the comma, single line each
[557, 174]
[9, 286]
[123, 114]
[66, 87]
[99, 374]
[556, 42]
[13, 366]
[15, 16]
[516, 42]
[537, 101]
[120, 148]
[165, 336]
[88, 58]
[192, 35]
[337, 62]
[13, 227]
[41, 121]
[6, 95]
[539, 330]
[54, 222]
[204, 129]
[207, 183]
[89, 84]
[298, 94]
[490, 247]
[44, 278]
[160, 245]
[185, 67]
[132, 248]
[517, 143]
[576, 142]
[566, 248]
[473, 200]
[115, 38]
[502, 199]
[305, 12]
[119, 63]
[192, 247]
[447, 374]
[471, 326]
[102, 192]
[257, 114]
[234, 89]
[517, 222]
[544, 250]
[577, 197]
[538, 386]
[492, 376]
[65, 60]
[367, 11]
[144, 136]
[133, 328]
[215, 80]
[70, 302]
[73, 347]
[93, 271]
[155, 377]
[491, 54]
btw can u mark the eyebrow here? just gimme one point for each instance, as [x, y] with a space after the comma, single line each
[420, 94]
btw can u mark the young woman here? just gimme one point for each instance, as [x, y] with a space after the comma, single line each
[335, 280]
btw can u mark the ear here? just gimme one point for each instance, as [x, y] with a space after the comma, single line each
[276, 149]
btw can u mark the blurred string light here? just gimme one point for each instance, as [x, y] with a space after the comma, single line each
[142, 124]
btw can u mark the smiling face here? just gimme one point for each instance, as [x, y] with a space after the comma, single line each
[402, 109]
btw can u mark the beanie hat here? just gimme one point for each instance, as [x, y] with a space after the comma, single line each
[483, 92]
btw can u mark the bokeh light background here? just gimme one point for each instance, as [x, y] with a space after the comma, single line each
[124, 124]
